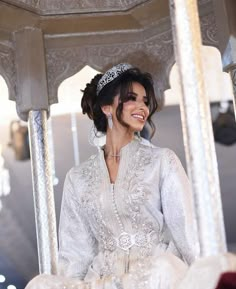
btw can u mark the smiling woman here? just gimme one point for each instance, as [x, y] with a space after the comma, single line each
[114, 91]
[135, 108]
[127, 216]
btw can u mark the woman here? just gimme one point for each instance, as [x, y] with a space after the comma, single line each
[127, 214]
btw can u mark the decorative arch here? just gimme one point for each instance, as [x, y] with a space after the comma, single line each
[69, 91]
[7, 108]
[149, 49]
[209, 38]
[63, 63]
[218, 83]
[7, 69]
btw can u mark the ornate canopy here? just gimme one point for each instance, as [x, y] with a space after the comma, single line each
[97, 33]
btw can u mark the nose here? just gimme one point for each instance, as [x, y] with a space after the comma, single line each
[142, 105]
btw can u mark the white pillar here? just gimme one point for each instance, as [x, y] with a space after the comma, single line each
[43, 192]
[74, 131]
[33, 106]
[55, 180]
[197, 128]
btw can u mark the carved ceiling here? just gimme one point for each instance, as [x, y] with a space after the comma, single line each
[56, 19]
[49, 7]
[54, 7]
[141, 36]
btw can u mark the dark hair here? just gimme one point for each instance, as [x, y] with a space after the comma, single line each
[91, 102]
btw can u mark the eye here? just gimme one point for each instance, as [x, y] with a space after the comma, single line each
[130, 97]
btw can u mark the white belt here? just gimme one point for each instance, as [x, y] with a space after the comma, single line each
[125, 240]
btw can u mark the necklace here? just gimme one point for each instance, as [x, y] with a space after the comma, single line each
[113, 156]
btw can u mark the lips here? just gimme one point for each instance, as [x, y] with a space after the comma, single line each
[138, 116]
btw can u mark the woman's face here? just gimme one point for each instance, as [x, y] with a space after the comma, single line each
[135, 110]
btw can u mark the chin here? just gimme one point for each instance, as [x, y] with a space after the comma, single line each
[137, 129]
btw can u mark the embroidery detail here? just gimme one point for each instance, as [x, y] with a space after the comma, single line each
[138, 193]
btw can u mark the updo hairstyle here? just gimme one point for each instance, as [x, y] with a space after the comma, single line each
[91, 103]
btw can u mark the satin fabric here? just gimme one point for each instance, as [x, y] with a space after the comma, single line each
[139, 232]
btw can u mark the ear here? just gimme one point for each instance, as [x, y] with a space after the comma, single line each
[106, 109]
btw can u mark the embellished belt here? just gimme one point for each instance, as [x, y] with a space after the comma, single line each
[125, 240]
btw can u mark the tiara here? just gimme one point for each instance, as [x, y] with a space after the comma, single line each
[111, 74]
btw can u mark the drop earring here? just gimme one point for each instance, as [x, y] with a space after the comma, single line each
[109, 120]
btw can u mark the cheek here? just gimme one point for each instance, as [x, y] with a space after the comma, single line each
[127, 111]
[128, 106]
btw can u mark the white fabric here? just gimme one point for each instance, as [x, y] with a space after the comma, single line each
[151, 205]
[205, 272]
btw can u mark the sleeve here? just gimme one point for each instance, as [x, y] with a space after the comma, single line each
[77, 245]
[178, 208]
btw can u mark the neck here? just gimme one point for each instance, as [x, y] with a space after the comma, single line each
[115, 140]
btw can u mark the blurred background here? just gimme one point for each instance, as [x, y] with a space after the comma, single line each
[18, 250]
[75, 38]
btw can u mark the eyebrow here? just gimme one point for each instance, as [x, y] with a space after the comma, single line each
[135, 94]
[131, 92]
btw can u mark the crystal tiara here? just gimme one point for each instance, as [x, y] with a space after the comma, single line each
[111, 74]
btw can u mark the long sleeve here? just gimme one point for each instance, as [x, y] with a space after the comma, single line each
[77, 245]
[177, 206]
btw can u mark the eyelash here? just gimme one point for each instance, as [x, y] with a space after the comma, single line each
[133, 98]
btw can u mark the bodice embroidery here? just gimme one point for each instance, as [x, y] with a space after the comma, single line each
[92, 177]
[138, 193]
[128, 222]
[134, 192]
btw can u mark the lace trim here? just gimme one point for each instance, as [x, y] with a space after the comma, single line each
[138, 194]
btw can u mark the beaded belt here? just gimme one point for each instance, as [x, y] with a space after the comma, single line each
[125, 240]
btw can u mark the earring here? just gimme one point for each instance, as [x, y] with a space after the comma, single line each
[109, 120]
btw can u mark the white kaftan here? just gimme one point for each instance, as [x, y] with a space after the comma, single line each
[136, 233]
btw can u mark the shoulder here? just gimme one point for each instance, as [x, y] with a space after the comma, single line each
[164, 158]
[161, 153]
[169, 155]
[81, 171]
[171, 164]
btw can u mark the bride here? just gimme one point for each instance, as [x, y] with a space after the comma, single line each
[127, 218]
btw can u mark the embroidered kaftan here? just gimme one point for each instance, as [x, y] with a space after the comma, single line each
[136, 233]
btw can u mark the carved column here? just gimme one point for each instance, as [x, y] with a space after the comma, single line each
[225, 11]
[43, 192]
[233, 77]
[32, 105]
[197, 128]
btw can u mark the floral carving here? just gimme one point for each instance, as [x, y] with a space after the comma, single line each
[7, 69]
[62, 63]
[161, 45]
[152, 50]
[74, 6]
[233, 78]
[45, 7]
[209, 30]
